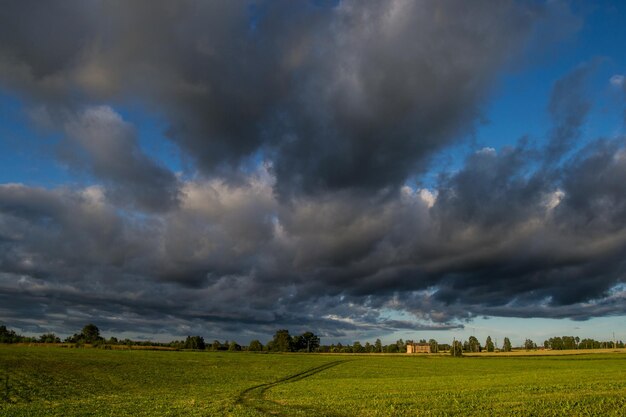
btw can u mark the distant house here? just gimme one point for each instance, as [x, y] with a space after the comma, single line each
[417, 348]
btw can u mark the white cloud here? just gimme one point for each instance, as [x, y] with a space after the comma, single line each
[487, 151]
[554, 199]
[617, 81]
[428, 197]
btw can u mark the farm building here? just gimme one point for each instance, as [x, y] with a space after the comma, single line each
[417, 348]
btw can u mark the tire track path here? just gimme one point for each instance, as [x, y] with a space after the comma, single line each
[253, 397]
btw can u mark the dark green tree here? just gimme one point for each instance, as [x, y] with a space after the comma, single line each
[306, 342]
[569, 342]
[9, 336]
[255, 346]
[282, 341]
[456, 349]
[49, 338]
[506, 346]
[195, 342]
[177, 344]
[401, 345]
[234, 347]
[556, 343]
[378, 346]
[474, 344]
[489, 344]
[90, 334]
[393, 348]
[529, 344]
[589, 344]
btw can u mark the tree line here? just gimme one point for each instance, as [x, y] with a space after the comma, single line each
[283, 341]
[555, 343]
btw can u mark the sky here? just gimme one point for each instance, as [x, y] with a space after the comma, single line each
[360, 169]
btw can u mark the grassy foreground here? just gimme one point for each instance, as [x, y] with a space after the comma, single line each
[56, 381]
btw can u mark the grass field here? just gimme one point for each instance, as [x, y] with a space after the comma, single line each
[56, 381]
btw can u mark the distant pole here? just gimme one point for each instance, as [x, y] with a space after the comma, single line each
[614, 345]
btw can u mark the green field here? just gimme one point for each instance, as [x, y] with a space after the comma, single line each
[57, 381]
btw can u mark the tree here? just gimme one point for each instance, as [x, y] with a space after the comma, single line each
[401, 345]
[557, 343]
[378, 346]
[234, 347]
[589, 344]
[392, 348]
[434, 347]
[474, 344]
[506, 346]
[195, 342]
[489, 345]
[529, 344]
[443, 347]
[9, 336]
[456, 349]
[357, 347]
[282, 341]
[306, 342]
[255, 346]
[49, 338]
[91, 333]
[569, 342]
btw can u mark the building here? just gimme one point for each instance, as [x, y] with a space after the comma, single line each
[417, 348]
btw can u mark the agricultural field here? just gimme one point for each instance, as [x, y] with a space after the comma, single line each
[92, 382]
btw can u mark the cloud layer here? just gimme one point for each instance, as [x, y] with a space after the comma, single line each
[353, 96]
[304, 122]
[493, 239]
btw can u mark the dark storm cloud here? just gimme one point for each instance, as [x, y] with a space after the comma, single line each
[58, 231]
[595, 188]
[223, 260]
[536, 238]
[343, 104]
[100, 142]
[385, 100]
[40, 43]
[568, 108]
[495, 238]
[353, 96]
